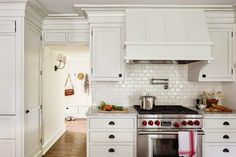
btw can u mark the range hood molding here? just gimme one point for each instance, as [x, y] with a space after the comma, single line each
[157, 39]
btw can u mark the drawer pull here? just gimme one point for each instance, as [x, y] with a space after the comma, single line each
[111, 136]
[226, 150]
[226, 123]
[111, 150]
[111, 123]
[225, 137]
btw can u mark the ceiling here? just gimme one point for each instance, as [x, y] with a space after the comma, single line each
[66, 6]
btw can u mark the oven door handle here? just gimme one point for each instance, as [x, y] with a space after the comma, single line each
[165, 133]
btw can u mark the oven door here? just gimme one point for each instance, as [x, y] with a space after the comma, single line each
[162, 144]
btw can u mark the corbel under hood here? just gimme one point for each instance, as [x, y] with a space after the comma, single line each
[167, 36]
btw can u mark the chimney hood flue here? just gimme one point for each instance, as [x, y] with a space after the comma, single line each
[167, 36]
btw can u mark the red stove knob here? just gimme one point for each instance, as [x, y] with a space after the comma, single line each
[150, 122]
[184, 123]
[176, 124]
[190, 122]
[157, 122]
[144, 123]
[196, 122]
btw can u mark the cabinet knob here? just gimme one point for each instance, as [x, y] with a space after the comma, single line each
[225, 137]
[226, 123]
[111, 123]
[111, 136]
[111, 150]
[204, 75]
[120, 75]
[27, 111]
[226, 150]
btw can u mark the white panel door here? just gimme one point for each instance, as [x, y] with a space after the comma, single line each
[7, 74]
[221, 68]
[33, 144]
[107, 55]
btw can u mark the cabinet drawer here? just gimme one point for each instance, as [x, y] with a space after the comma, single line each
[110, 137]
[220, 137]
[220, 151]
[55, 37]
[7, 26]
[111, 151]
[7, 148]
[111, 123]
[220, 124]
[7, 124]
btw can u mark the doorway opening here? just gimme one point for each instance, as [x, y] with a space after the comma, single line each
[66, 96]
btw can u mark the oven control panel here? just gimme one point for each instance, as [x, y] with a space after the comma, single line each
[170, 123]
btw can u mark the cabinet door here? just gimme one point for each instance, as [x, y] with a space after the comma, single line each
[221, 68]
[8, 74]
[107, 54]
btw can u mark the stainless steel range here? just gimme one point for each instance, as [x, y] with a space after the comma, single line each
[158, 130]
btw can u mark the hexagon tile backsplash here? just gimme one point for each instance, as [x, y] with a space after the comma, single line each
[137, 83]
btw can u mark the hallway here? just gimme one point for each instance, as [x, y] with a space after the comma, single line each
[72, 143]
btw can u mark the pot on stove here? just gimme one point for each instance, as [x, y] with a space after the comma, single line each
[148, 102]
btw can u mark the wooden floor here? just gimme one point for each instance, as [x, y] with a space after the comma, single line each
[72, 143]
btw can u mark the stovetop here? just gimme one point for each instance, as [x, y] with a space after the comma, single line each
[166, 109]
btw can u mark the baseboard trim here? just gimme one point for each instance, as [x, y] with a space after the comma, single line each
[48, 144]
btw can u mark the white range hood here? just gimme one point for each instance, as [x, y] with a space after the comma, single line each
[167, 36]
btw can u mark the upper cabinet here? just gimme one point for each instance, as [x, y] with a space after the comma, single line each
[65, 31]
[221, 68]
[64, 37]
[107, 53]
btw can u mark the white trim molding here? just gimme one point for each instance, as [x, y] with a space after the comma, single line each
[48, 144]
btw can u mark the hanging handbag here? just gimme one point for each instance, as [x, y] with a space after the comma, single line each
[70, 91]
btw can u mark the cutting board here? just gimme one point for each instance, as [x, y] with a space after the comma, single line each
[126, 110]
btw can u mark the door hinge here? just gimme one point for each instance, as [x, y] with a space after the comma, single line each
[232, 34]
[91, 70]
[41, 107]
[232, 71]
[15, 26]
[41, 140]
[91, 33]
[41, 38]
[41, 72]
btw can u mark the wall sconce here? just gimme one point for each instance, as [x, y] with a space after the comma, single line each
[62, 61]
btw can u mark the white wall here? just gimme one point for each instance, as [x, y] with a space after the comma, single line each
[137, 83]
[53, 99]
[80, 101]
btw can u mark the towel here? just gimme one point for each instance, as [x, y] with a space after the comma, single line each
[187, 143]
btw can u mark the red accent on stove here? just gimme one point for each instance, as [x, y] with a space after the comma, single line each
[176, 124]
[196, 122]
[190, 122]
[184, 123]
[157, 122]
[144, 123]
[150, 122]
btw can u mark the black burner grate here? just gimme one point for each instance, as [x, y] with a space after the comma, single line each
[166, 109]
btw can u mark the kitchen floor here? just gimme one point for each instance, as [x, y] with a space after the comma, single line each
[72, 143]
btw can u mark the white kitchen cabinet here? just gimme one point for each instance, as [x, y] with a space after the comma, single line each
[220, 135]
[111, 134]
[7, 148]
[221, 69]
[66, 37]
[8, 73]
[107, 53]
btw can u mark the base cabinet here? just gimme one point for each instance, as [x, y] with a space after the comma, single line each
[7, 148]
[220, 136]
[111, 136]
